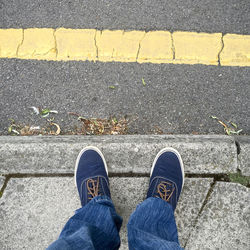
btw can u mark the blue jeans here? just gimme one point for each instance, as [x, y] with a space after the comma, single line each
[97, 225]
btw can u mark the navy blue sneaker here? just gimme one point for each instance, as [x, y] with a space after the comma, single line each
[91, 174]
[167, 176]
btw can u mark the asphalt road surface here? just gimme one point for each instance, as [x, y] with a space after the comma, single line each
[227, 16]
[176, 98]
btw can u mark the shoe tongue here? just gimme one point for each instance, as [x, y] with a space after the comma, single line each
[167, 182]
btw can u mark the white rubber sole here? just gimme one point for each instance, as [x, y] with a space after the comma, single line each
[80, 154]
[169, 149]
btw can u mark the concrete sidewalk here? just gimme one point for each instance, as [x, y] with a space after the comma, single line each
[39, 194]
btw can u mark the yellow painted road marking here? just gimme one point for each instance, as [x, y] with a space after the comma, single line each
[125, 46]
[236, 51]
[118, 45]
[75, 44]
[37, 44]
[150, 51]
[192, 48]
[10, 39]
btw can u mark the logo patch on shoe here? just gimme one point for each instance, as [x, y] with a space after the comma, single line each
[165, 190]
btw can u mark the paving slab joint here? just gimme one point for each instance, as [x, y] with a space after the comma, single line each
[239, 178]
[216, 177]
[209, 192]
[207, 197]
[243, 153]
[4, 185]
[237, 143]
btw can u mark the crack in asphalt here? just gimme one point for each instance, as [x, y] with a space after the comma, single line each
[173, 47]
[18, 47]
[222, 47]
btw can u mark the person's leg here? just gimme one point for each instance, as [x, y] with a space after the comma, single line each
[96, 225]
[152, 225]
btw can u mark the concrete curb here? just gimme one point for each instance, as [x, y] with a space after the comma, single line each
[244, 154]
[202, 154]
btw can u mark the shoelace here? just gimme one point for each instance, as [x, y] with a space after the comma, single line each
[93, 188]
[163, 192]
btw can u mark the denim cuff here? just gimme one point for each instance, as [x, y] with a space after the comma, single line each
[102, 199]
[158, 200]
